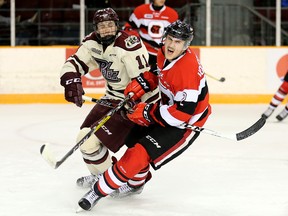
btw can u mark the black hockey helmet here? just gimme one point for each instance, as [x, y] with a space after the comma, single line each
[106, 14]
[180, 30]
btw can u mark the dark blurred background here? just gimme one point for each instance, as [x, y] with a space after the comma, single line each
[57, 22]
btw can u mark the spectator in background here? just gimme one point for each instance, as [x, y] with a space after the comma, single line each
[3, 19]
[6, 20]
[277, 99]
[150, 21]
[25, 28]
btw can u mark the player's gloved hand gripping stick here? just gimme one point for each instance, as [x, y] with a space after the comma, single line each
[48, 156]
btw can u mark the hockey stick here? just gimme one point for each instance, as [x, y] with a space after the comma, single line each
[236, 137]
[222, 79]
[47, 153]
[101, 102]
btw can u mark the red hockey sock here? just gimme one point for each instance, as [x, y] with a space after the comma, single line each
[284, 88]
[279, 95]
[140, 178]
[134, 161]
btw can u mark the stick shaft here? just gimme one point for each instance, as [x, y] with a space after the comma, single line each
[92, 130]
[237, 136]
[222, 79]
[101, 102]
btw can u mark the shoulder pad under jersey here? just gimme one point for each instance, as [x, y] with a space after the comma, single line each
[91, 36]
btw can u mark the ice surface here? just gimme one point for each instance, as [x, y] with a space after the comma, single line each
[214, 177]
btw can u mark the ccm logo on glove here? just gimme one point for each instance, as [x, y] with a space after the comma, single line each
[143, 114]
[75, 80]
[141, 84]
[73, 87]
[144, 84]
[146, 113]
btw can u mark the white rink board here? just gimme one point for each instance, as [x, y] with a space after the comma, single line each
[30, 70]
[248, 70]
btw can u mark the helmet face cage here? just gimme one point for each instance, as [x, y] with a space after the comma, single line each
[107, 14]
[180, 30]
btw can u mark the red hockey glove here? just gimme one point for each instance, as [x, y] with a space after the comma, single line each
[143, 83]
[73, 87]
[143, 114]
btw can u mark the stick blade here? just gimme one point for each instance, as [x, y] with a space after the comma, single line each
[222, 79]
[251, 130]
[47, 155]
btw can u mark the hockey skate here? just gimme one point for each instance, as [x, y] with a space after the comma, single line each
[89, 200]
[267, 113]
[126, 190]
[282, 115]
[86, 181]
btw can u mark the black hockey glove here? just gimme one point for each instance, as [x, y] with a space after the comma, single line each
[286, 77]
[73, 87]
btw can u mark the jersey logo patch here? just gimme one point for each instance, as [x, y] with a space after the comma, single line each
[107, 72]
[148, 16]
[132, 41]
[156, 29]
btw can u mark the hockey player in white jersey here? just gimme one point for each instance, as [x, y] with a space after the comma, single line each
[120, 58]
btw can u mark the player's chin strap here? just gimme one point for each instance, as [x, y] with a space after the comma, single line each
[47, 154]
[237, 136]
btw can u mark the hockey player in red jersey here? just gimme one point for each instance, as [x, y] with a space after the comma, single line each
[184, 99]
[277, 99]
[150, 21]
[120, 57]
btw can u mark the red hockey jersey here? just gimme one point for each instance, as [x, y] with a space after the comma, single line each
[184, 91]
[151, 24]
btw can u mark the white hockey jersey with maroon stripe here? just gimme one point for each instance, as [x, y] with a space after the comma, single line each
[121, 61]
[184, 91]
[151, 24]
